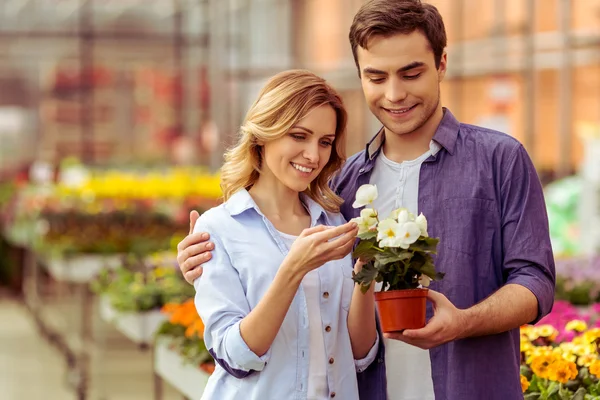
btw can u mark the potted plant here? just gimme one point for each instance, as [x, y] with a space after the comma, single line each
[397, 252]
[181, 358]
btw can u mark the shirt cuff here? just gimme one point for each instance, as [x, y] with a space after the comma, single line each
[363, 363]
[542, 287]
[240, 353]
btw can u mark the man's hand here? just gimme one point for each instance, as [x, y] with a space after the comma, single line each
[193, 251]
[448, 323]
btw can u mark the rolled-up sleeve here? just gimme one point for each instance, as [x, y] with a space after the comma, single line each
[363, 363]
[221, 303]
[528, 257]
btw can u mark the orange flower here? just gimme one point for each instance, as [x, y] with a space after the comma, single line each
[524, 384]
[540, 364]
[197, 328]
[595, 368]
[184, 314]
[562, 371]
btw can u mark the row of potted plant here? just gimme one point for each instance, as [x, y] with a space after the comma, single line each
[184, 332]
[560, 356]
[142, 284]
[108, 211]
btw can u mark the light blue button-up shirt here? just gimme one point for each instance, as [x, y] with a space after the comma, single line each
[248, 252]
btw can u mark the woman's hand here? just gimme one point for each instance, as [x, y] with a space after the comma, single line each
[320, 244]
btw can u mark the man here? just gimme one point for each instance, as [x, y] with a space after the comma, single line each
[481, 196]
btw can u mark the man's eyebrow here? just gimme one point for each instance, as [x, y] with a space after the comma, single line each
[412, 65]
[408, 67]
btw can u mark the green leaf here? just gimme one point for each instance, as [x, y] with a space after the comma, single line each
[427, 245]
[367, 235]
[579, 394]
[388, 257]
[552, 389]
[366, 275]
[428, 268]
[366, 250]
[532, 396]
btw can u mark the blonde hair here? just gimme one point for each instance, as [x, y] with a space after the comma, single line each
[284, 100]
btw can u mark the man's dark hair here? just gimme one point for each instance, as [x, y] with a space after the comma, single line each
[390, 17]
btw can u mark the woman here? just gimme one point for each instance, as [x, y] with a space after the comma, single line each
[277, 296]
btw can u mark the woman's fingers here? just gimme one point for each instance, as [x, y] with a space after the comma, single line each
[340, 247]
[334, 232]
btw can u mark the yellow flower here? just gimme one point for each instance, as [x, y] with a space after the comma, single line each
[525, 329]
[562, 371]
[527, 347]
[524, 384]
[595, 368]
[546, 331]
[591, 335]
[576, 325]
[586, 360]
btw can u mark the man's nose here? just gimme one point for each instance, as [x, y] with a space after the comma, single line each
[395, 91]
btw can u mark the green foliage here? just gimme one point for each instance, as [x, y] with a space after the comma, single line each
[396, 268]
[131, 290]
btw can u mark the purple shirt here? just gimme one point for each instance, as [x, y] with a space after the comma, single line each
[483, 199]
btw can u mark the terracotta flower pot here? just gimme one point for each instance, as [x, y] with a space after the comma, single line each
[401, 309]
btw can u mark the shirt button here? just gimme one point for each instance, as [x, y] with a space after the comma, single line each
[326, 294]
[331, 360]
[327, 328]
[332, 395]
[361, 170]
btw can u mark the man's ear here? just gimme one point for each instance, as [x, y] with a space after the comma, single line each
[443, 66]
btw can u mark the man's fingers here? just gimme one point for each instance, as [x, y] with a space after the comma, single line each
[193, 218]
[197, 249]
[436, 297]
[428, 332]
[394, 335]
[413, 342]
[192, 239]
[192, 275]
[194, 262]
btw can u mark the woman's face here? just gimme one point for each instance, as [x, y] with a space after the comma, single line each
[297, 158]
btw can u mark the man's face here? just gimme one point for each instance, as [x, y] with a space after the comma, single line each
[400, 80]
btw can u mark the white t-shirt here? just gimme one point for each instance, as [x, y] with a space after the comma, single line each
[317, 365]
[408, 367]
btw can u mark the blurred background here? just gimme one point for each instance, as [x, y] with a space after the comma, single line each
[114, 115]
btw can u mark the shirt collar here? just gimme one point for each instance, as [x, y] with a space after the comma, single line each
[445, 135]
[241, 201]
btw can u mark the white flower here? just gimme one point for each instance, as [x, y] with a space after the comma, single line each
[424, 280]
[367, 220]
[388, 232]
[365, 194]
[408, 233]
[403, 216]
[395, 213]
[422, 223]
